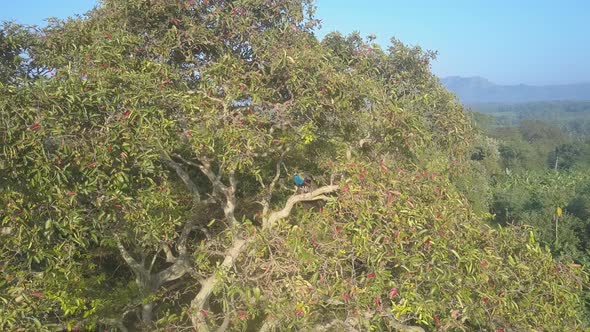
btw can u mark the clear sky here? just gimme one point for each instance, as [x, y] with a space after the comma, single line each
[506, 41]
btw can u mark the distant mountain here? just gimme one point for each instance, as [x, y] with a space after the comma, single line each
[479, 90]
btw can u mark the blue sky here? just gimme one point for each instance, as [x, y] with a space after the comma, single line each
[506, 41]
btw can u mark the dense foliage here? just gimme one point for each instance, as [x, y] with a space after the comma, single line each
[537, 176]
[146, 163]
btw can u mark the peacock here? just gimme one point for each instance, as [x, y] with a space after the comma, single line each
[303, 182]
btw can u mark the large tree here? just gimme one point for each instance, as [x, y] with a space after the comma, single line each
[147, 157]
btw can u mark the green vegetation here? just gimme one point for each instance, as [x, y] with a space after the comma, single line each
[539, 178]
[146, 182]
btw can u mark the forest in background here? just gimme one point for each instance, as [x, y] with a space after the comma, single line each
[541, 166]
[148, 153]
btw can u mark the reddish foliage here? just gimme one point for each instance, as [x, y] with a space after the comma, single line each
[393, 293]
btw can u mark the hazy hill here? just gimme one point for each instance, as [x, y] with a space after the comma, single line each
[480, 90]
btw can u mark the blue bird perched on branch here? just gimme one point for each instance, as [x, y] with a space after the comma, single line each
[302, 182]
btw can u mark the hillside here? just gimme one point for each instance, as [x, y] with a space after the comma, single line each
[480, 90]
[572, 116]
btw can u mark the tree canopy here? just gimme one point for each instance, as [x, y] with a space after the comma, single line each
[146, 164]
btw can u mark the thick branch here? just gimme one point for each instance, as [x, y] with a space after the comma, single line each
[273, 184]
[207, 287]
[336, 325]
[218, 186]
[318, 194]
[175, 271]
[405, 328]
[183, 175]
[230, 200]
[133, 264]
[170, 258]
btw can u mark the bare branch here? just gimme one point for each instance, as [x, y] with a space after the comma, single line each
[183, 175]
[268, 326]
[318, 194]
[170, 258]
[209, 284]
[175, 271]
[154, 260]
[226, 320]
[133, 264]
[218, 186]
[230, 200]
[336, 325]
[266, 202]
[186, 231]
[405, 328]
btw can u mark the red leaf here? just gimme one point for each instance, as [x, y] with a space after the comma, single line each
[299, 313]
[377, 301]
[383, 167]
[345, 189]
[346, 297]
[243, 87]
[71, 193]
[437, 320]
[204, 312]
[108, 35]
[37, 294]
[393, 293]
[126, 114]
[35, 126]
[371, 275]
[484, 263]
